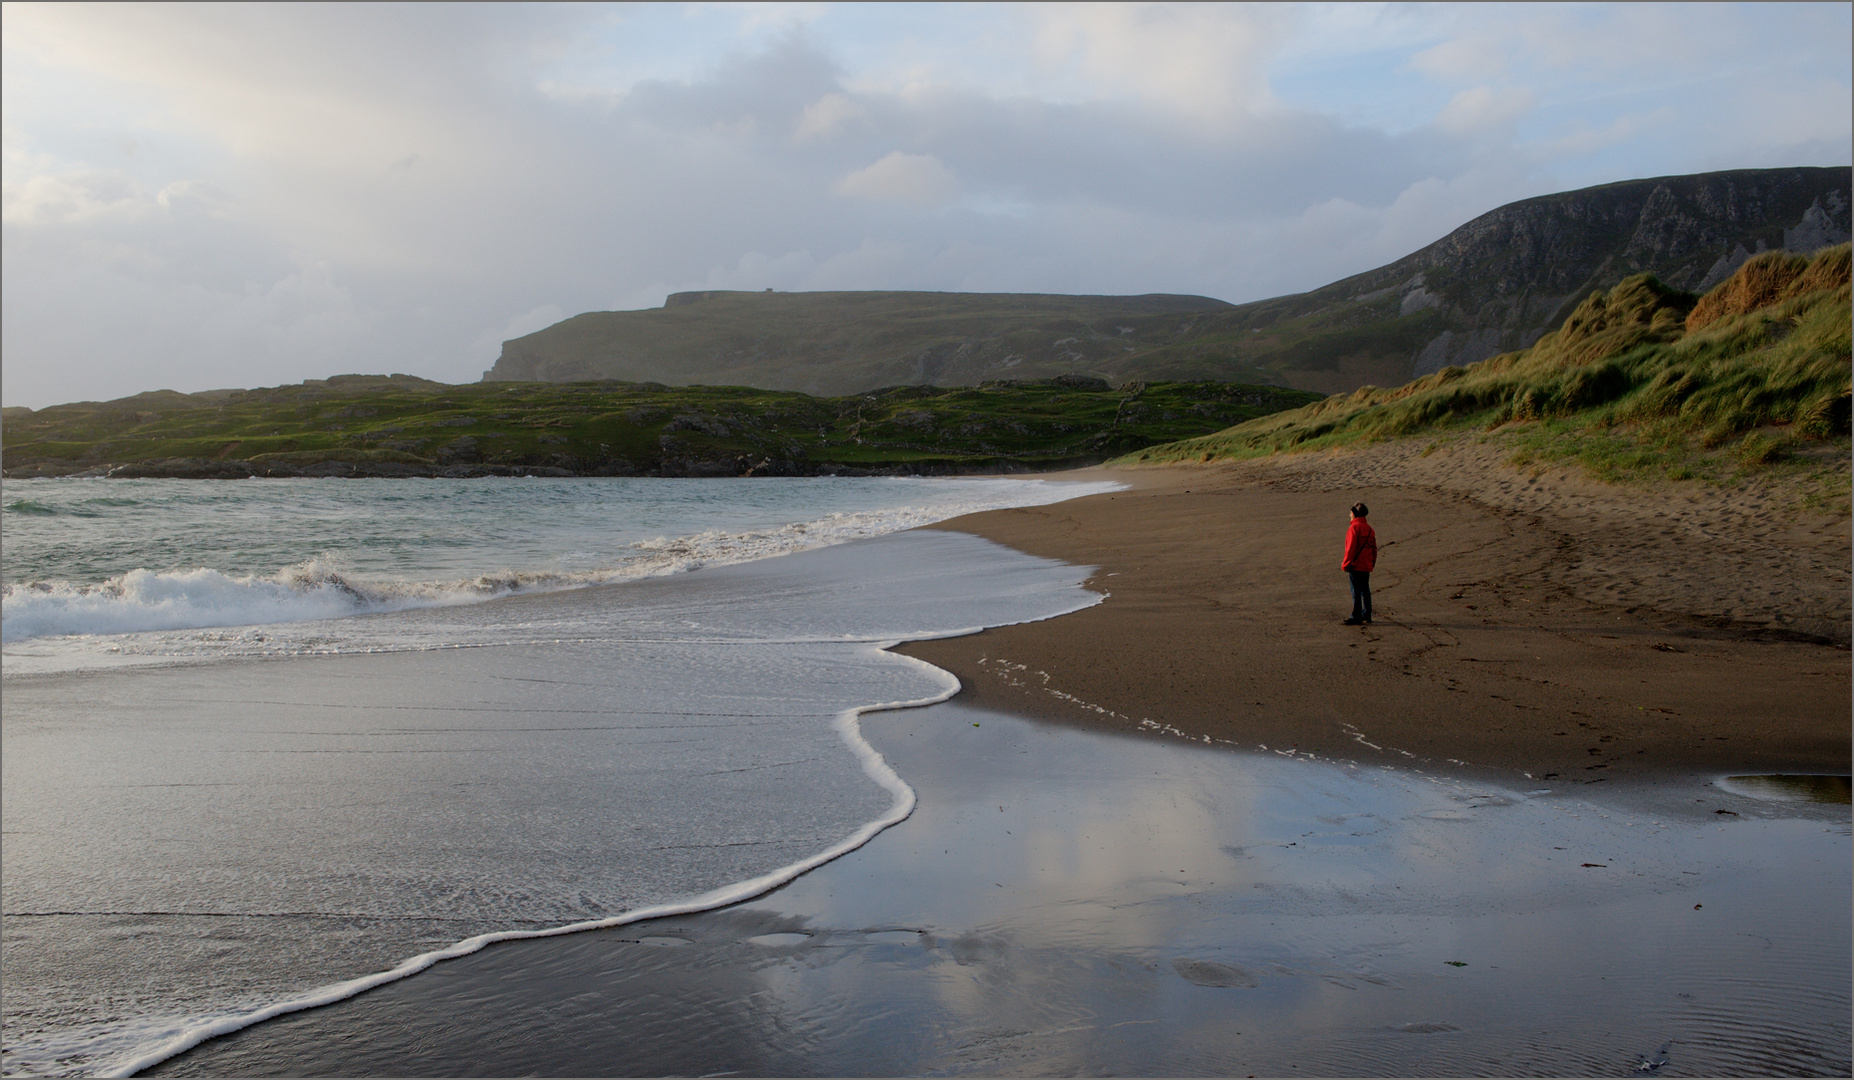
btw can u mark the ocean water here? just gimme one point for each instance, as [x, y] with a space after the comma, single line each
[103, 572]
[266, 741]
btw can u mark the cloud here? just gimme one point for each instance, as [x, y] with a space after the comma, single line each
[72, 197]
[219, 195]
[1204, 61]
[777, 16]
[539, 318]
[755, 271]
[1463, 60]
[153, 333]
[489, 343]
[1581, 140]
[917, 179]
[826, 116]
[1484, 108]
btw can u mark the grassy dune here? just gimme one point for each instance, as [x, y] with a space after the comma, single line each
[1641, 382]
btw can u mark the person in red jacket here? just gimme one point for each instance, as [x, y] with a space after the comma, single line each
[1361, 555]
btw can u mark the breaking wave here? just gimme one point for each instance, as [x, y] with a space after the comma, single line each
[320, 588]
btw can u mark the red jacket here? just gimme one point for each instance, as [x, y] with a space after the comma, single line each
[1361, 547]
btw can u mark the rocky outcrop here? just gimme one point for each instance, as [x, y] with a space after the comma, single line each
[1509, 276]
[1504, 279]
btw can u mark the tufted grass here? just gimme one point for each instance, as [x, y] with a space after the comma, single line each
[1640, 382]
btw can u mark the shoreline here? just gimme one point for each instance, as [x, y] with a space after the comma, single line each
[338, 469]
[435, 801]
[1068, 706]
[1138, 907]
[1543, 627]
[852, 914]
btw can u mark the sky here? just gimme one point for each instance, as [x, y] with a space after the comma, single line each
[240, 195]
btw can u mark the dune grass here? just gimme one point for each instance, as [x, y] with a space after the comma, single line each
[1641, 382]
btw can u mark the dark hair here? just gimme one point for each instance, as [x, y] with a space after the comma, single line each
[1358, 510]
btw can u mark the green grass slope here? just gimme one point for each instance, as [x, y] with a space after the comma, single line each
[357, 425]
[1641, 381]
[836, 343]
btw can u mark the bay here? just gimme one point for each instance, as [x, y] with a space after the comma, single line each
[206, 821]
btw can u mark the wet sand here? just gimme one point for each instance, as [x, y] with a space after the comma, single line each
[1488, 834]
[1542, 626]
[1069, 901]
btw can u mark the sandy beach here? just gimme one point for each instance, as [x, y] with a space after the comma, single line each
[1543, 625]
[1204, 829]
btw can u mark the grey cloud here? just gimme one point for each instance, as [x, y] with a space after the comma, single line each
[1115, 153]
[469, 197]
[772, 87]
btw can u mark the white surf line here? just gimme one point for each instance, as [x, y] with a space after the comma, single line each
[663, 557]
[848, 726]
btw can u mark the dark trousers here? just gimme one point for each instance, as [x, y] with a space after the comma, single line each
[1361, 593]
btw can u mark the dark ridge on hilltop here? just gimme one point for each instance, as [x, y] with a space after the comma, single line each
[1497, 283]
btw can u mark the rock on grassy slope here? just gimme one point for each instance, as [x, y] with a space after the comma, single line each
[1641, 381]
[1496, 284]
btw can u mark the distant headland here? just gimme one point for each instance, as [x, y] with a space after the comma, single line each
[1496, 284]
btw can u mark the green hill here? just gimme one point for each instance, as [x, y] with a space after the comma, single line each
[1641, 380]
[361, 425]
[1494, 285]
[849, 342]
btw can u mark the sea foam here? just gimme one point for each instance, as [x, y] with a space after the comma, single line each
[326, 587]
[668, 745]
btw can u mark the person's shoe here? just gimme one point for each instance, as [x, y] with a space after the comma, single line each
[1355, 622]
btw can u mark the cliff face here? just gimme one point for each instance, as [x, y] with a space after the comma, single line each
[1507, 277]
[1502, 280]
[1493, 285]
